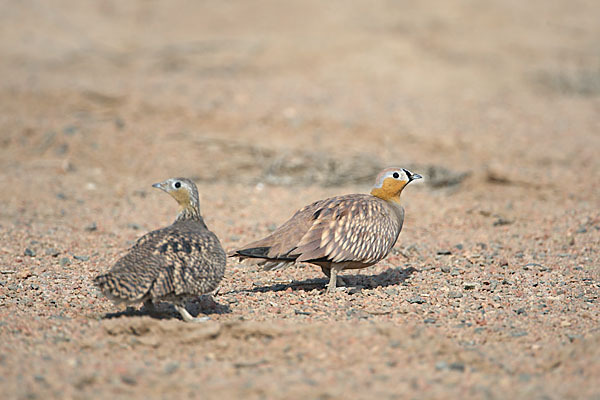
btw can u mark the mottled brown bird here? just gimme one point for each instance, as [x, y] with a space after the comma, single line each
[343, 232]
[180, 261]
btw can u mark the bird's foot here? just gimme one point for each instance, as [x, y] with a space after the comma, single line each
[187, 317]
[336, 286]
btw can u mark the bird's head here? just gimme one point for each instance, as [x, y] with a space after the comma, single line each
[185, 192]
[391, 181]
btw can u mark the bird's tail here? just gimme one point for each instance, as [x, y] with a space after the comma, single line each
[261, 254]
[253, 252]
[116, 289]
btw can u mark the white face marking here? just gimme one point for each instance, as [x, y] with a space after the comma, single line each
[397, 174]
[182, 190]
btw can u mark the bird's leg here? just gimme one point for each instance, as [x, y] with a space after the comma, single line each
[333, 278]
[339, 280]
[332, 281]
[187, 317]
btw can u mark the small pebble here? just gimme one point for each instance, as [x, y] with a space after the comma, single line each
[445, 269]
[524, 377]
[502, 221]
[416, 300]
[455, 295]
[82, 258]
[573, 337]
[64, 261]
[441, 365]
[444, 252]
[29, 252]
[119, 123]
[91, 227]
[469, 285]
[457, 366]
[129, 379]
[429, 320]
[355, 289]
[527, 267]
[70, 130]
[61, 149]
[171, 367]
[140, 192]
[52, 252]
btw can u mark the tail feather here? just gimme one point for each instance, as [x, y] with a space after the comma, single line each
[254, 252]
[119, 289]
[275, 265]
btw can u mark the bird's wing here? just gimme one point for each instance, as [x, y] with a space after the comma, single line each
[284, 239]
[172, 260]
[133, 275]
[350, 228]
[196, 263]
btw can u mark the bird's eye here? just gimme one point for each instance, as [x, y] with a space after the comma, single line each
[177, 185]
[396, 175]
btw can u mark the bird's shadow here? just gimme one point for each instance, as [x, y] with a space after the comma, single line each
[203, 305]
[389, 277]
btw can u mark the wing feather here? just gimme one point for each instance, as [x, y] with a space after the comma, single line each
[184, 258]
[355, 227]
[351, 228]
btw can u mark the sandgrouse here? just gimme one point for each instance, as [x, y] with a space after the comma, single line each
[180, 261]
[343, 232]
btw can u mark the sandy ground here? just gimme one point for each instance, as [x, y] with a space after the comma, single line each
[492, 290]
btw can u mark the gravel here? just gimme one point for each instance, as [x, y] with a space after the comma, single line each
[491, 291]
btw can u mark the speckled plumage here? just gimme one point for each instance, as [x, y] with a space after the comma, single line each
[343, 232]
[182, 260]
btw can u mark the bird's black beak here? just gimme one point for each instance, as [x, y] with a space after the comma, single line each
[411, 176]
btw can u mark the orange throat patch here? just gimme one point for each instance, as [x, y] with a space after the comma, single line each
[390, 190]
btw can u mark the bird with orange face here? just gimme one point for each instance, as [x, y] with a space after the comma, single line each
[343, 232]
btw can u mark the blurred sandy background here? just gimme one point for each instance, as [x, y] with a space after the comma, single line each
[270, 105]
